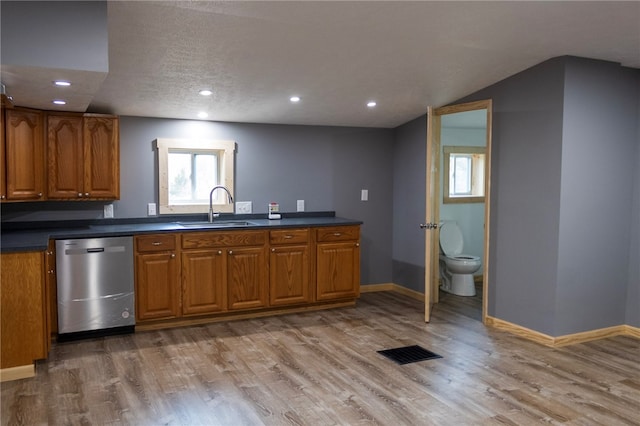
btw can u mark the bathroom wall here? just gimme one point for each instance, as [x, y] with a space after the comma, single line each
[469, 216]
[325, 166]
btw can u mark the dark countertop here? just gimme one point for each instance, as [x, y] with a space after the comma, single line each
[35, 236]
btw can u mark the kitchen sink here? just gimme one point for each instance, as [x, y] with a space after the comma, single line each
[216, 224]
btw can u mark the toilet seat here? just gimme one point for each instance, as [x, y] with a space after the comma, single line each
[451, 241]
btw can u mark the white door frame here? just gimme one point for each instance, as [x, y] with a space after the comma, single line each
[432, 210]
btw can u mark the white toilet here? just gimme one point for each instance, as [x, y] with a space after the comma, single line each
[456, 268]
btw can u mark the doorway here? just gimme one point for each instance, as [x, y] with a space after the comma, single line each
[453, 126]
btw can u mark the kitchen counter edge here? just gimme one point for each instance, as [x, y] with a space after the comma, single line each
[38, 239]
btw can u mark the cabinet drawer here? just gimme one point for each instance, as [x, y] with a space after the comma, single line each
[151, 243]
[192, 240]
[338, 233]
[289, 236]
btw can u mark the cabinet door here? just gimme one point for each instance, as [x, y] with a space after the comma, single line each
[101, 157]
[3, 164]
[24, 155]
[65, 162]
[338, 270]
[203, 282]
[157, 286]
[289, 275]
[247, 278]
[22, 309]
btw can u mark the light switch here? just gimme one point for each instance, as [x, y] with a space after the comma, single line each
[108, 211]
[364, 195]
[151, 209]
[300, 206]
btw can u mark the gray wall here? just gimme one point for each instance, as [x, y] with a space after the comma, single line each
[409, 201]
[633, 286]
[63, 30]
[325, 166]
[556, 178]
[525, 197]
[598, 146]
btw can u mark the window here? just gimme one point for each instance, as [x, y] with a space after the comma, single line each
[188, 170]
[464, 174]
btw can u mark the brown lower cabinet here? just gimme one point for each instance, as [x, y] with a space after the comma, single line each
[215, 272]
[157, 281]
[203, 282]
[224, 271]
[23, 320]
[289, 267]
[338, 262]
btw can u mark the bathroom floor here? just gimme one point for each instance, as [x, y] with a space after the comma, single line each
[469, 306]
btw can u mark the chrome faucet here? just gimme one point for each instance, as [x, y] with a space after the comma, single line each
[211, 213]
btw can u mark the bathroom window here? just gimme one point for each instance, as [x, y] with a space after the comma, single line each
[464, 172]
[188, 170]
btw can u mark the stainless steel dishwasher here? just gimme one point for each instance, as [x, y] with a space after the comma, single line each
[95, 287]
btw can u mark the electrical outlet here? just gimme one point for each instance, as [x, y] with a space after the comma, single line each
[108, 211]
[300, 205]
[151, 209]
[244, 207]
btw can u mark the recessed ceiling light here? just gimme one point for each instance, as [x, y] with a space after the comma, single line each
[59, 102]
[206, 92]
[294, 99]
[371, 104]
[202, 114]
[62, 83]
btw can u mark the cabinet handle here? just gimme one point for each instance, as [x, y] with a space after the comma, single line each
[219, 251]
[273, 250]
[86, 194]
[79, 194]
[49, 253]
[230, 251]
[173, 255]
[337, 234]
[39, 194]
[156, 243]
[51, 271]
[357, 244]
[288, 237]
[3, 197]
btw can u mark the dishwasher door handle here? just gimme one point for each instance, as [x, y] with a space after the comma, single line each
[95, 250]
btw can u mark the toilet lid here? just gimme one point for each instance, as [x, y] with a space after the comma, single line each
[451, 239]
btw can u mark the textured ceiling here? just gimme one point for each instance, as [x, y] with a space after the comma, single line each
[336, 55]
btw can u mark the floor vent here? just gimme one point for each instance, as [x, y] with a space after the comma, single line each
[408, 354]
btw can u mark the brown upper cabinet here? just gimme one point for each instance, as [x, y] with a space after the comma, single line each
[24, 155]
[83, 153]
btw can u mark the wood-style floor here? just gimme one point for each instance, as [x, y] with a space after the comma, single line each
[322, 368]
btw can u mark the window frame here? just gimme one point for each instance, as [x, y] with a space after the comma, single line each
[475, 185]
[225, 150]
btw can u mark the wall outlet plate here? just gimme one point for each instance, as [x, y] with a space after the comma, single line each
[244, 207]
[151, 209]
[108, 211]
[300, 206]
